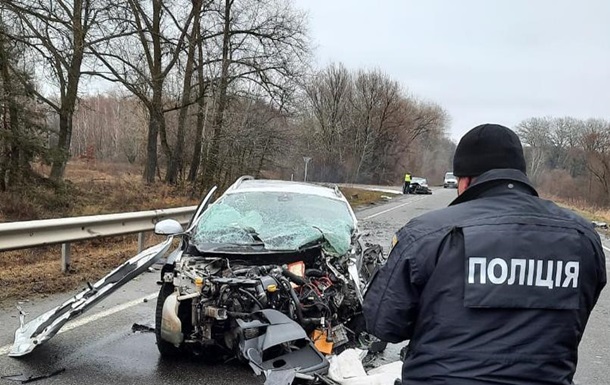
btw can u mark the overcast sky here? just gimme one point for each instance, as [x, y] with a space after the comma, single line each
[483, 60]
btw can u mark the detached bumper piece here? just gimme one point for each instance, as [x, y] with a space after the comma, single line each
[279, 348]
[41, 329]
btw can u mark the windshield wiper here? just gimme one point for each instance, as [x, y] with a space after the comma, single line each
[316, 241]
[252, 232]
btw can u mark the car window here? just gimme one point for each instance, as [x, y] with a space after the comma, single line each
[282, 221]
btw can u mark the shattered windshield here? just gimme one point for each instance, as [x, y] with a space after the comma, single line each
[278, 221]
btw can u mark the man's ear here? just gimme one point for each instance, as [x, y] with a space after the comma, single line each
[463, 183]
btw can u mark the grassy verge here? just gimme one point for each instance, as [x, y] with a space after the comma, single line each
[583, 209]
[36, 272]
[358, 197]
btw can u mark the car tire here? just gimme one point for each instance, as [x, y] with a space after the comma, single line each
[166, 349]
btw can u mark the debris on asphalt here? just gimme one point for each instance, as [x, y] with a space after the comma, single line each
[280, 377]
[347, 369]
[601, 225]
[31, 378]
[139, 328]
[386, 198]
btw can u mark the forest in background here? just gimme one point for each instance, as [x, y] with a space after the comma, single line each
[197, 93]
[201, 92]
[569, 158]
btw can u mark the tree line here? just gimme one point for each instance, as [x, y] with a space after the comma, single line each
[205, 90]
[569, 157]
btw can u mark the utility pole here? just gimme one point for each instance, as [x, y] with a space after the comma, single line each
[306, 159]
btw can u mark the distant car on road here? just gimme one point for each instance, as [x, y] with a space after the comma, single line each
[419, 186]
[450, 180]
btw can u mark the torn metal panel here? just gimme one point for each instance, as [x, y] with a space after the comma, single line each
[42, 328]
[304, 358]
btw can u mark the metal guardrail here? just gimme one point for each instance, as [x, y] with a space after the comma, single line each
[27, 234]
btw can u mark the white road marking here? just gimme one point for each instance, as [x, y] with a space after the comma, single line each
[5, 349]
[391, 209]
[94, 317]
[606, 248]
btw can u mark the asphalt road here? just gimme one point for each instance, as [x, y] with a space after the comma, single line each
[101, 348]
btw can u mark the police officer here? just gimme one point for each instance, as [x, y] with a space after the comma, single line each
[494, 289]
[405, 187]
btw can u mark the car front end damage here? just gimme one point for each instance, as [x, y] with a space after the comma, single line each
[280, 311]
[273, 275]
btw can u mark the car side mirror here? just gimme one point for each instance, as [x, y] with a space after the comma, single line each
[168, 227]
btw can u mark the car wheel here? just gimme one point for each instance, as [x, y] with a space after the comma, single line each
[165, 348]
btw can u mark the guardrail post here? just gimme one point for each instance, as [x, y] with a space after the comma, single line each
[140, 241]
[65, 257]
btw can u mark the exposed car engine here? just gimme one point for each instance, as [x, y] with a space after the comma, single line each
[216, 304]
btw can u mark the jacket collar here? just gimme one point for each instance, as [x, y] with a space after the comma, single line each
[495, 178]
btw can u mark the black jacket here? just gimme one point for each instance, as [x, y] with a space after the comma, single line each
[495, 289]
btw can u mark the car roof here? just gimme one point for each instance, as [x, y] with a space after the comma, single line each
[268, 185]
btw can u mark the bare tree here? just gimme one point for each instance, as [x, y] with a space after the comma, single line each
[142, 56]
[175, 157]
[569, 157]
[261, 43]
[363, 124]
[113, 125]
[202, 115]
[376, 101]
[57, 33]
[329, 95]
[595, 140]
[536, 134]
[22, 120]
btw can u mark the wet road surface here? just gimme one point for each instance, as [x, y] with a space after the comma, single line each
[101, 348]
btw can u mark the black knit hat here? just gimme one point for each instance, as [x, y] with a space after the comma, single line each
[487, 147]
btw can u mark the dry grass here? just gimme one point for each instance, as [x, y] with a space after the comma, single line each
[90, 189]
[36, 272]
[358, 197]
[599, 214]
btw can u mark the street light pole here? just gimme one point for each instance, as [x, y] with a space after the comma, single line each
[306, 159]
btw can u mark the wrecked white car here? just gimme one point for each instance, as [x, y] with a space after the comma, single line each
[272, 273]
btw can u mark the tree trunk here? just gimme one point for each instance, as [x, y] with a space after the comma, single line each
[201, 117]
[63, 146]
[175, 160]
[200, 127]
[221, 105]
[68, 100]
[154, 122]
[9, 120]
